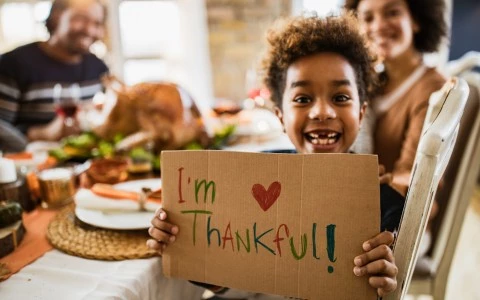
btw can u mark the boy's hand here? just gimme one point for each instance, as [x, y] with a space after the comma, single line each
[383, 176]
[162, 232]
[378, 263]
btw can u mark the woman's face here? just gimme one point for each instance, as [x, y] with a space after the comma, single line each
[321, 110]
[388, 25]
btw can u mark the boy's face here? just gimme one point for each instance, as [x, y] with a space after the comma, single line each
[321, 106]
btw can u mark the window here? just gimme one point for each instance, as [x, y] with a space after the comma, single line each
[161, 40]
[321, 7]
[31, 14]
[150, 44]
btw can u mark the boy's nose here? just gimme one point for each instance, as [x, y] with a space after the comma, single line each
[322, 111]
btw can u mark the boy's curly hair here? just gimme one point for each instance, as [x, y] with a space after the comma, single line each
[297, 37]
[430, 17]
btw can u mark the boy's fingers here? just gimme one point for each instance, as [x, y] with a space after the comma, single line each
[161, 214]
[157, 246]
[165, 226]
[381, 170]
[160, 235]
[385, 237]
[153, 244]
[386, 178]
[384, 285]
[380, 252]
[378, 267]
[158, 211]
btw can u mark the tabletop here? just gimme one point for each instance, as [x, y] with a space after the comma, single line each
[57, 275]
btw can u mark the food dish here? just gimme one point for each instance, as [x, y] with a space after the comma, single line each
[258, 123]
[121, 220]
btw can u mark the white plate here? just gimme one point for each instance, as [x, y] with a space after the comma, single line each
[121, 220]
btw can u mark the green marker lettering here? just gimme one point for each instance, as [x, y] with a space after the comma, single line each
[239, 239]
[195, 212]
[304, 247]
[257, 239]
[206, 187]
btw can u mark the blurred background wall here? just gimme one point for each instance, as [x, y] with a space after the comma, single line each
[236, 39]
[465, 26]
[211, 47]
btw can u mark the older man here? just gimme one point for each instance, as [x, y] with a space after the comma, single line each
[29, 73]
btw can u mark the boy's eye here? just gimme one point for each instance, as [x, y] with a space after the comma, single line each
[341, 98]
[301, 99]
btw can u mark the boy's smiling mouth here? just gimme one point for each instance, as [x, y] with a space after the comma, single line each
[322, 138]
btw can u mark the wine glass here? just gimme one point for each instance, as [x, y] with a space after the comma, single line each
[66, 101]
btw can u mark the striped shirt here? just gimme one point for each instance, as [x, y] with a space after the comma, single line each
[27, 78]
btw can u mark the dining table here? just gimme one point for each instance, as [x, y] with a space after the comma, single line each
[55, 274]
[44, 272]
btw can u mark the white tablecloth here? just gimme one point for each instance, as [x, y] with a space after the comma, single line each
[57, 275]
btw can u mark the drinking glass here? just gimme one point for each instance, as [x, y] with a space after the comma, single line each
[66, 100]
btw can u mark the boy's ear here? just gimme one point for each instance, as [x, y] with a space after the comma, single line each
[363, 108]
[279, 114]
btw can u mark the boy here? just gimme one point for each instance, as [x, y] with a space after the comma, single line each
[319, 75]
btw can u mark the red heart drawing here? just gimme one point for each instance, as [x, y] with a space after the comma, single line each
[266, 198]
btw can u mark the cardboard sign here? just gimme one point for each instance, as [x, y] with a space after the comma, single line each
[286, 224]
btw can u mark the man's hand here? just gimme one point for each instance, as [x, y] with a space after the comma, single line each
[53, 131]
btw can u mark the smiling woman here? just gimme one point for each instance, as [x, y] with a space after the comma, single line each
[400, 32]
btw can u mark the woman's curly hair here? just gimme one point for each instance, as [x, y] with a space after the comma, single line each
[430, 17]
[294, 38]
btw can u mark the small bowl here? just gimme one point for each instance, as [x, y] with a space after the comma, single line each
[108, 170]
[227, 109]
[57, 187]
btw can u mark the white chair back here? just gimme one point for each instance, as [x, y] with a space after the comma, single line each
[433, 153]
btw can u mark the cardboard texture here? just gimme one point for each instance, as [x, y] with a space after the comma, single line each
[286, 224]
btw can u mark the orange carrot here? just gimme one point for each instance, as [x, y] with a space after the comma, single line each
[107, 190]
[18, 155]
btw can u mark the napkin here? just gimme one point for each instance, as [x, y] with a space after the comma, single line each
[85, 198]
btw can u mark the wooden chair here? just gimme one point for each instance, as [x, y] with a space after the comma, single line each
[453, 197]
[433, 153]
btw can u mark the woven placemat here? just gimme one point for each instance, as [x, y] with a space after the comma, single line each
[68, 235]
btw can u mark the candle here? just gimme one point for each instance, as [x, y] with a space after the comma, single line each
[8, 173]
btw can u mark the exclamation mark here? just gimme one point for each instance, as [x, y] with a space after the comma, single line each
[331, 245]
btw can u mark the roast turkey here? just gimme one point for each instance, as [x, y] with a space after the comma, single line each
[160, 112]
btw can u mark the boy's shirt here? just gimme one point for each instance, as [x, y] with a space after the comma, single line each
[391, 208]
